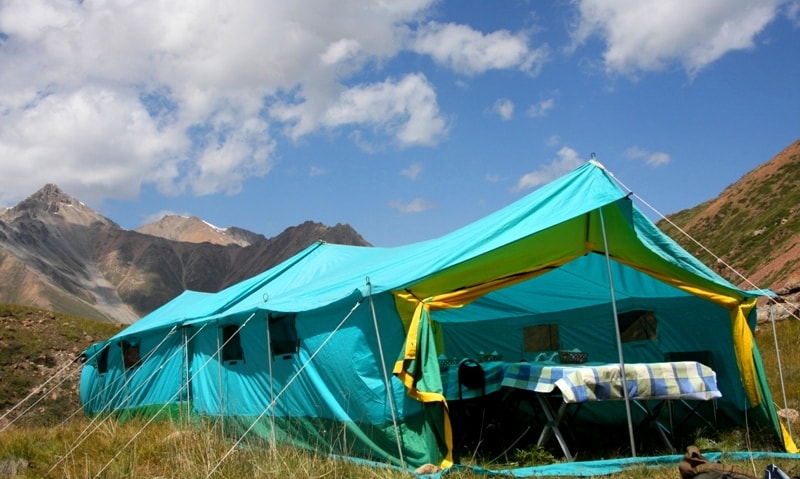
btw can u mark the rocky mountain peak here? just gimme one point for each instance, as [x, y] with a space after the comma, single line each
[51, 204]
[192, 229]
[50, 198]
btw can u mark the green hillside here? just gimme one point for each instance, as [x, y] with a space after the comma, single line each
[39, 353]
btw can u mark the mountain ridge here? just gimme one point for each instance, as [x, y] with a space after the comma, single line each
[58, 254]
[192, 229]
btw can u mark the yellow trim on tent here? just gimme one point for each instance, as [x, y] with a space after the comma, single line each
[456, 299]
[742, 336]
[742, 342]
[410, 381]
[406, 301]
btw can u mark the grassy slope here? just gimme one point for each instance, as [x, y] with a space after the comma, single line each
[35, 346]
[751, 225]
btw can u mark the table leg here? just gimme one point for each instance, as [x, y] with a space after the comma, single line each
[693, 412]
[552, 424]
[652, 418]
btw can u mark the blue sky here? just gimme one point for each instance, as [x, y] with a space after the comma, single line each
[404, 119]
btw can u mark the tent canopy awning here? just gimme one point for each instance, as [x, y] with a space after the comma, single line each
[556, 225]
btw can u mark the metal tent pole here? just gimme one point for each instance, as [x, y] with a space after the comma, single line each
[780, 368]
[272, 437]
[623, 380]
[386, 379]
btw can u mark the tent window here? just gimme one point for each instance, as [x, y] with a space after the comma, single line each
[283, 335]
[542, 337]
[637, 325]
[130, 353]
[231, 344]
[102, 361]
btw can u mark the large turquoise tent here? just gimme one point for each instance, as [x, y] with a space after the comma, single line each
[338, 347]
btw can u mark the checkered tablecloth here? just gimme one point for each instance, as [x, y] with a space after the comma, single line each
[585, 382]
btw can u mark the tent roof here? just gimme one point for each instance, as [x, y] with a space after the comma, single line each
[560, 222]
[561, 229]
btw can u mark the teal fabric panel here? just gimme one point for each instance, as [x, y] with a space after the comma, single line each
[159, 378]
[684, 324]
[343, 375]
[342, 386]
[90, 384]
[170, 314]
[107, 391]
[582, 283]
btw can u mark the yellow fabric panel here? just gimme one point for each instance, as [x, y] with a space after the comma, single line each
[553, 246]
[409, 380]
[410, 350]
[625, 247]
[455, 299]
[788, 442]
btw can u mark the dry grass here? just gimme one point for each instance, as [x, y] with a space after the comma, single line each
[109, 449]
[788, 349]
[135, 449]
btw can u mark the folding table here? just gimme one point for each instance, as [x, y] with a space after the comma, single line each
[665, 381]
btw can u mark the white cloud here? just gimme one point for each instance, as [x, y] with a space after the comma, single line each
[568, 159]
[542, 108]
[317, 171]
[106, 97]
[493, 178]
[470, 52]
[553, 141]
[647, 35]
[93, 142]
[412, 171]
[340, 51]
[651, 159]
[417, 205]
[504, 108]
[405, 109]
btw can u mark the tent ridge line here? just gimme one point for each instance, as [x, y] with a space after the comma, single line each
[261, 284]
